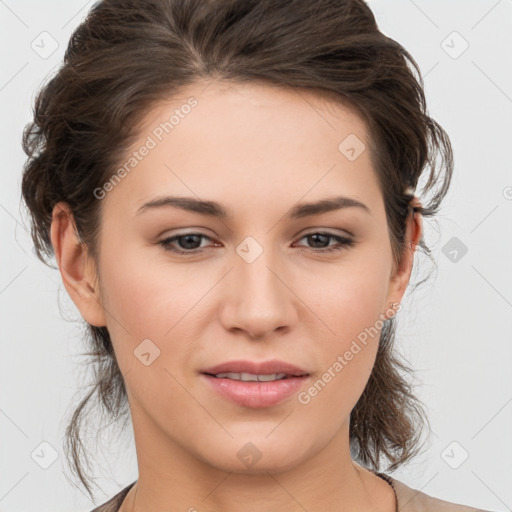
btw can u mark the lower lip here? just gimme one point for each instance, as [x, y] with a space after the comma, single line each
[256, 394]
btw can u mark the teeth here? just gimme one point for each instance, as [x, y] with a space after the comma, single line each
[248, 377]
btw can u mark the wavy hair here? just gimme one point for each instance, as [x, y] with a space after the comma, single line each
[127, 55]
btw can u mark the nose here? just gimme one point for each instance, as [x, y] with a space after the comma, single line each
[259, 298]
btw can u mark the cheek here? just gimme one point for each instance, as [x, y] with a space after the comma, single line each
[346, 358]
[350, 305]
[348, 297]
[148, 300]
[151, 321]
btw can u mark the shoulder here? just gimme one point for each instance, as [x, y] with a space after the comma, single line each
[409, 500]
[413, 500]
[113, 504]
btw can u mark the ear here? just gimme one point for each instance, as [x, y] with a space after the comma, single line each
[402, 273]
[77, 270]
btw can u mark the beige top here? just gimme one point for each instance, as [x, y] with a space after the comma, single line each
[408, 500]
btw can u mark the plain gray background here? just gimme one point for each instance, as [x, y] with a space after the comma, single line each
[456, 330]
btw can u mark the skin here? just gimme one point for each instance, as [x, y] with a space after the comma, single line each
[258, 150]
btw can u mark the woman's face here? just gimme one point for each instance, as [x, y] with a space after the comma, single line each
[252, 285]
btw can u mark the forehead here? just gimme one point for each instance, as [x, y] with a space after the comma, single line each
[216, 138]
[224, 102]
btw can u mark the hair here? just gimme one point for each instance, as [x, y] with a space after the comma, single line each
[128, 55]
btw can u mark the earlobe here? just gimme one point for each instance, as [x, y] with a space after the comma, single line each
[77, 271]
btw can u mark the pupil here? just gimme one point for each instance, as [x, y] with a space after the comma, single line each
[319, 235]
[186, 245]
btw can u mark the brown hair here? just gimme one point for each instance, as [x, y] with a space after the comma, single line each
[129, 54]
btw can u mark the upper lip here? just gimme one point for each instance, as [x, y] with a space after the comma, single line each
[256, 368]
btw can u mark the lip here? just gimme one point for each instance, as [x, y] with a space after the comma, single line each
[256, 394]
[259, 368]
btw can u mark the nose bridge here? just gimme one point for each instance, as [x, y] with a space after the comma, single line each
[260, 300]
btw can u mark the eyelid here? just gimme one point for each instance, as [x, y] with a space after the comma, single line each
[328, 231]
[343, 242]
[311, 231]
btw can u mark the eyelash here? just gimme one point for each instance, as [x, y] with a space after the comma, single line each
[344, 243]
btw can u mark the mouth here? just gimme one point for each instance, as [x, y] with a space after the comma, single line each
[251, 377]
[253, 384]
[239, 369]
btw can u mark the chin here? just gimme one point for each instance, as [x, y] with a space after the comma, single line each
[253, 455]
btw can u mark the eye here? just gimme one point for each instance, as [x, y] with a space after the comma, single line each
[323, 238]
[187, 241]
[190, 243]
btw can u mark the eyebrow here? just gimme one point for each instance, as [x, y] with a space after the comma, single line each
[213, 209]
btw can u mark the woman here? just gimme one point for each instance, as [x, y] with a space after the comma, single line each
[228, 188]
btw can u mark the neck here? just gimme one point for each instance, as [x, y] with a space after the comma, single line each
[328, 480]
